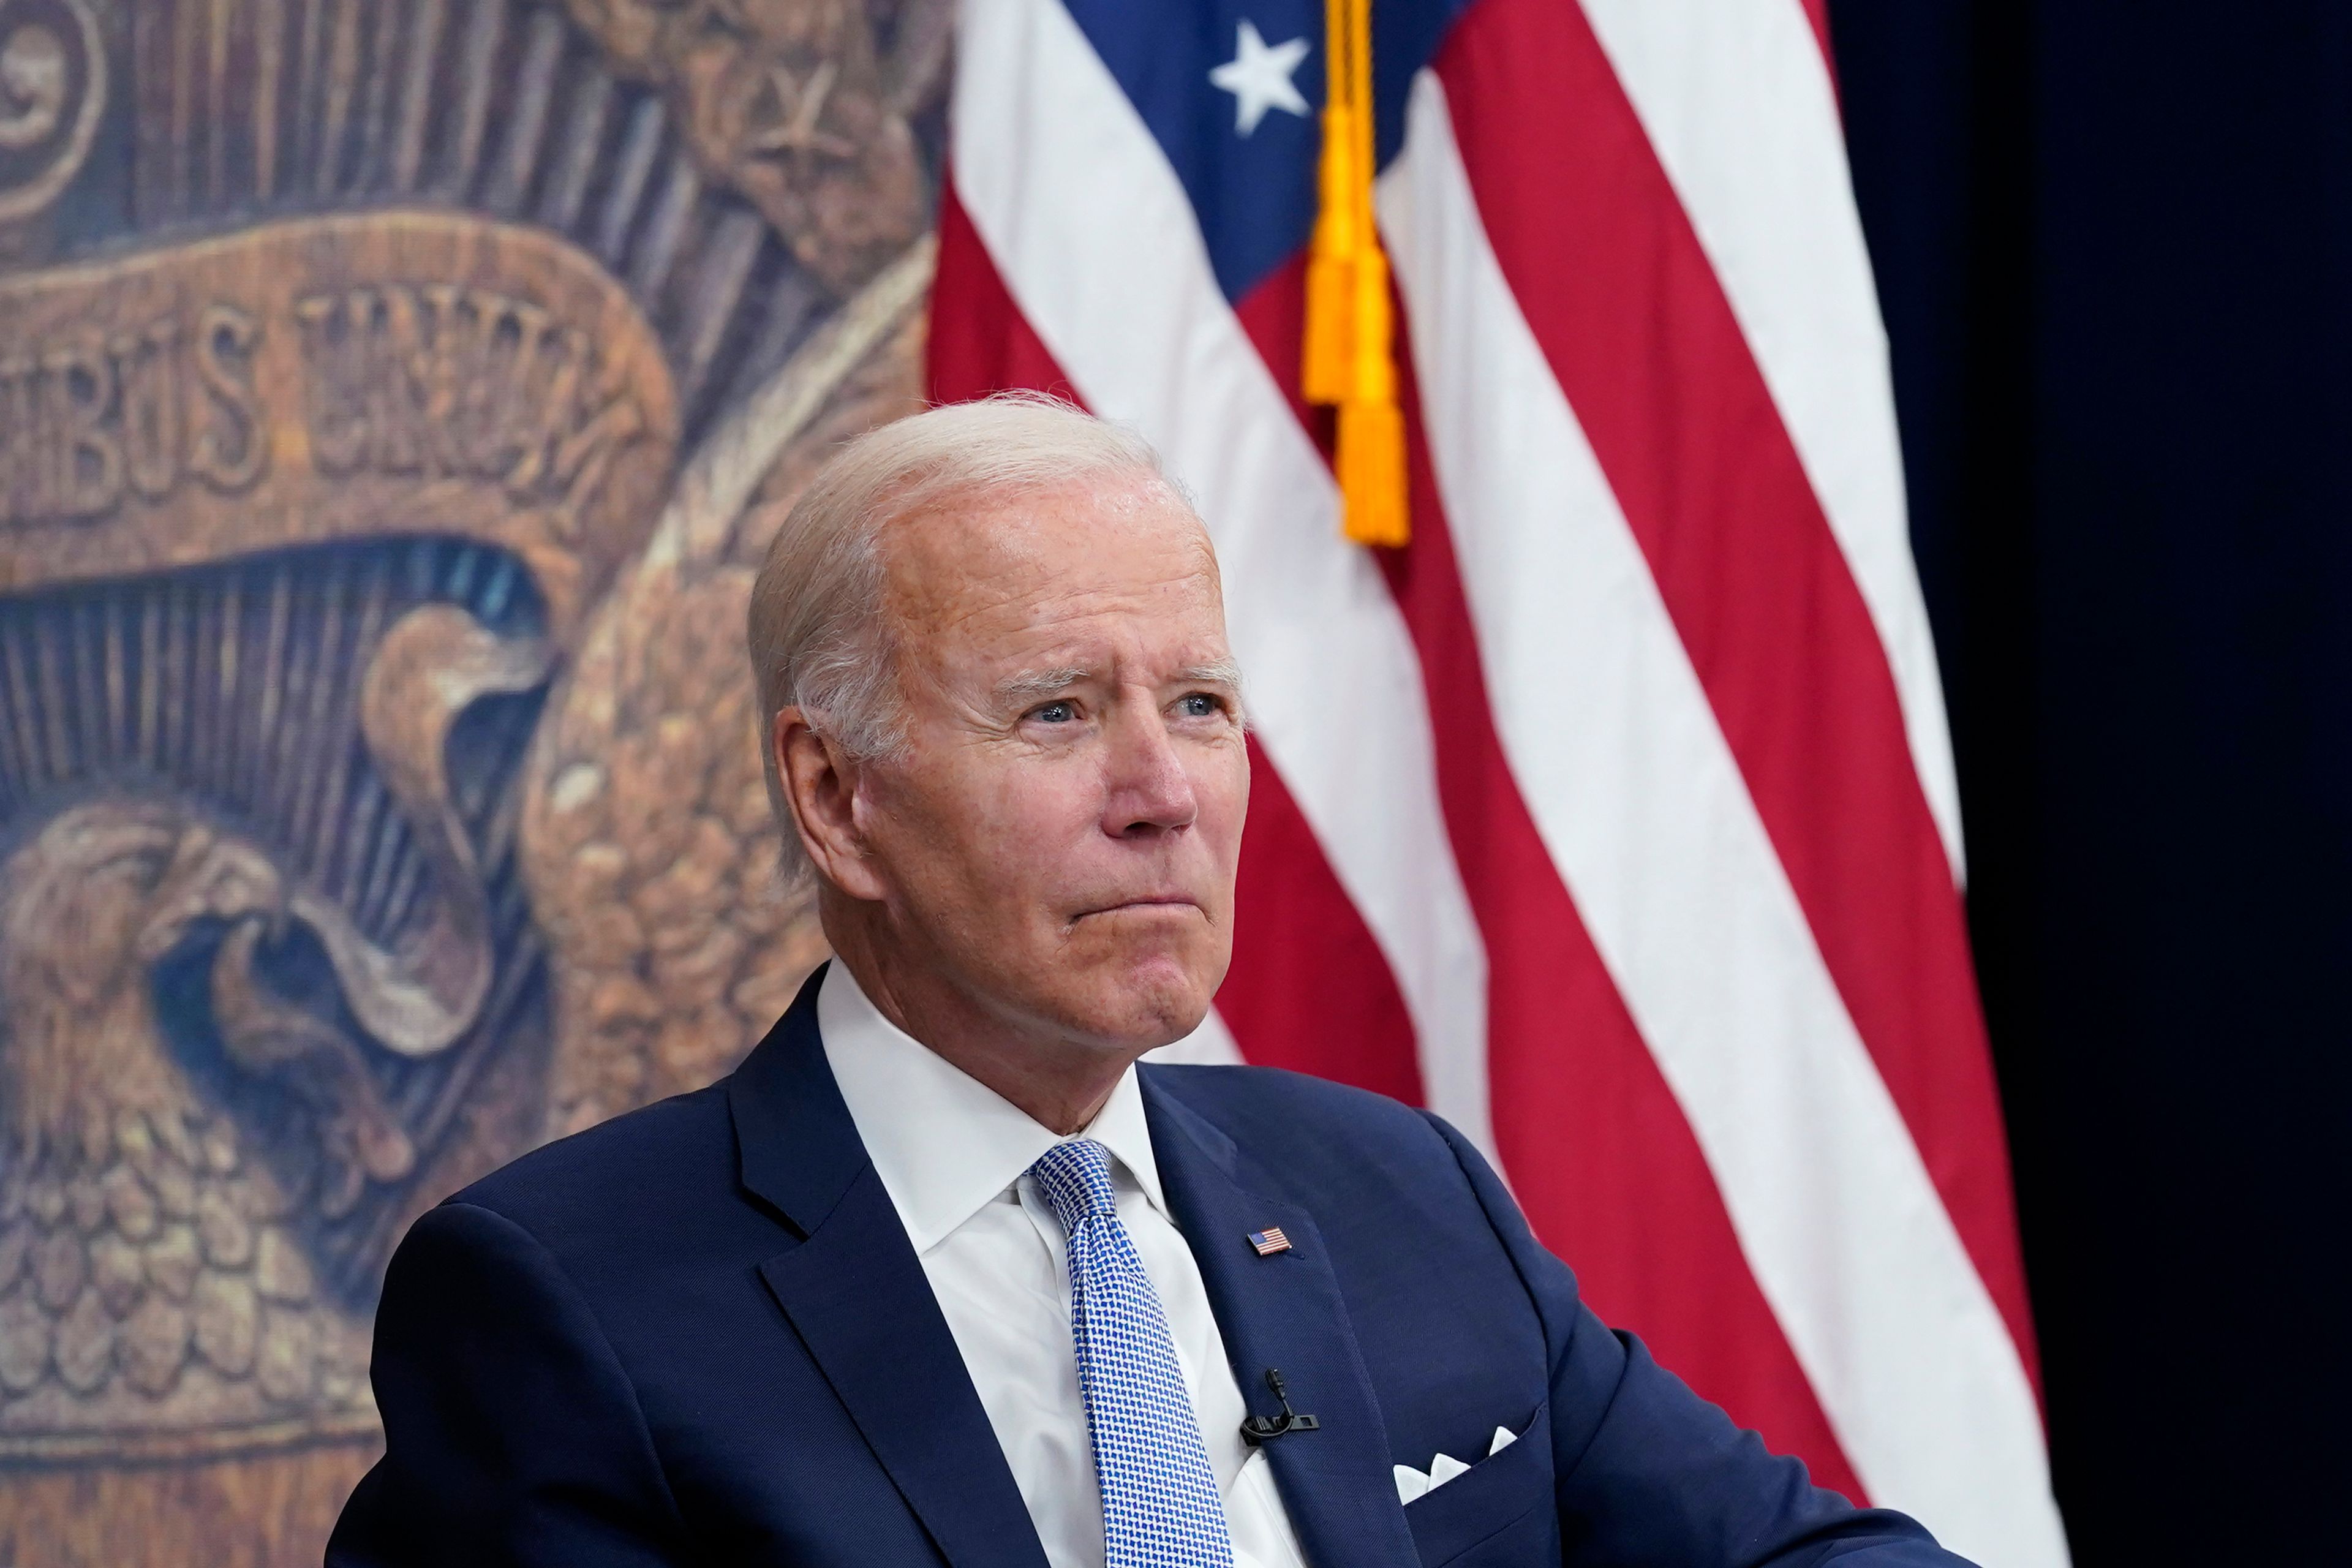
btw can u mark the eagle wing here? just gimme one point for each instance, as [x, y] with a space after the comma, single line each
[647, 840]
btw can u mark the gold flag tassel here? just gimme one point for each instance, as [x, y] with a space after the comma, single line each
[1346, 359]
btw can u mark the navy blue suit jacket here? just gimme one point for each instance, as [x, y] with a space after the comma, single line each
[698, 1334]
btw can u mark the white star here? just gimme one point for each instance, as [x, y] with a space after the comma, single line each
[1259, 78]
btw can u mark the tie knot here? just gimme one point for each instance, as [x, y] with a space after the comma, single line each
[1075, 1177]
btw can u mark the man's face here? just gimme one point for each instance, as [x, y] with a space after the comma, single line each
[1060, 831]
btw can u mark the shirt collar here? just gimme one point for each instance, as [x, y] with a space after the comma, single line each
[944, 1142]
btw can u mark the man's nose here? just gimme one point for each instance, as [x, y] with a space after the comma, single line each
[1150, 792]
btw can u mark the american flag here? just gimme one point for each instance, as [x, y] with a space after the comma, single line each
[1614, 817]
[1269, 1241]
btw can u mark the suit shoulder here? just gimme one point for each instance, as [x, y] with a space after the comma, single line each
[627, 1165]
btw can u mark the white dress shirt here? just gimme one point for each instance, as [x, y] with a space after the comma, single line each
[952, 1155]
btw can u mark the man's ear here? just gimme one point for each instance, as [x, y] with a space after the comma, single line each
[820, 783]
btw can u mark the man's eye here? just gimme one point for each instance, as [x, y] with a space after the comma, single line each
[1199, 705]
[1056, 713]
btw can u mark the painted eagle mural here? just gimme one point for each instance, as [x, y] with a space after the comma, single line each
[395, 399]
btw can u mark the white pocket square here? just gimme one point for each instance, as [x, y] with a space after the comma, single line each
[1413, 1484]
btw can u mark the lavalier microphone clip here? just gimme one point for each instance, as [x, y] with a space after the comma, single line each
[1260, 1429]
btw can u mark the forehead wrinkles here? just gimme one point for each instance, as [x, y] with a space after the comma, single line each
[1031, 560]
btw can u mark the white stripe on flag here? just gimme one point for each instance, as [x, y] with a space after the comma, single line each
[1098, 244]
[1738, 105]
[1642, 805]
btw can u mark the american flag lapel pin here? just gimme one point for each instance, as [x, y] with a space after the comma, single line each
[1269, 1241]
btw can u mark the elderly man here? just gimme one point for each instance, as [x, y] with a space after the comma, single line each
[941, 1275]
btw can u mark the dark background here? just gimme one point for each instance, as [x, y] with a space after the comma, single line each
[2114, 247]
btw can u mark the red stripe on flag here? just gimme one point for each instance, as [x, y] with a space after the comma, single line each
[1817, 15]
[1309, 988]
[1598, 1151]
[1632, 322]
[979, 340]
[1274, 316]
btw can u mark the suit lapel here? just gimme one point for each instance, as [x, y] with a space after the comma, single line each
[1285, 1312]
[856, 1294]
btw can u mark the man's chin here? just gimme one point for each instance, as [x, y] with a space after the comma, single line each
[1141, 1002]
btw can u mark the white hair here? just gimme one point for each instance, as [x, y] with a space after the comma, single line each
[819, 639]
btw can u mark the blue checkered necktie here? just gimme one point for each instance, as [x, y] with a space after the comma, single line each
[1159, 1502]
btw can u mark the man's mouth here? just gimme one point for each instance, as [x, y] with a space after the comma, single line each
[1146, 902]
